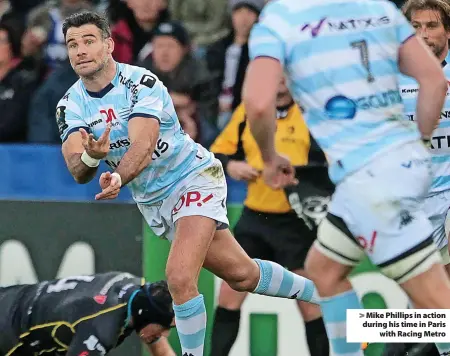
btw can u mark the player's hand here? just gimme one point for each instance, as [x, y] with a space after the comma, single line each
[279, 173]
[110, 185]
[241, 170]
[97, 149]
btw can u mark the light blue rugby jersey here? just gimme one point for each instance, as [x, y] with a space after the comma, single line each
[440, 142]
[135, 92]
[340, 57]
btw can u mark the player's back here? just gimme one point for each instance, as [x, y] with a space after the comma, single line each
[79, 297]
[341, 60]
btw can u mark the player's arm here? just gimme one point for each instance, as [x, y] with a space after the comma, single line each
[81, 151]
[161, 348]
[417, 61]
[143, 133]
[263, 77]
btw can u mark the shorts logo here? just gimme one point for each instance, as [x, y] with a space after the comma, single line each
[366, 244]
[189, 198]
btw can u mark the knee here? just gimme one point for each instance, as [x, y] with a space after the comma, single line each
[328, 276]
[180, 281]
[244, 278]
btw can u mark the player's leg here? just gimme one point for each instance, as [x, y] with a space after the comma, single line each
[328, 264]
[192, 239]
[291, 239]
[248, 232]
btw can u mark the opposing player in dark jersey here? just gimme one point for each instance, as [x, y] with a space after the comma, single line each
[84, 315]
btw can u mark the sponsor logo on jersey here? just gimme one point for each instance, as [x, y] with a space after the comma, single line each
[344, 25]
[128, 83]
[121, 142]
[61, 119]
[342, 108]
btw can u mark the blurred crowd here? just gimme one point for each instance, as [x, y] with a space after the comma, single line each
[198, 48]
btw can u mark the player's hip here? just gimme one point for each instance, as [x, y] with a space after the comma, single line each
[159, 182]
[386, 152]
[202, 193]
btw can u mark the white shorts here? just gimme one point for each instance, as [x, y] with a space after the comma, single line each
[201, 193]
[437, 208]
[381, 204]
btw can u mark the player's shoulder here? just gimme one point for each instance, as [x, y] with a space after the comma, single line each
[137, 75]
[72, 98]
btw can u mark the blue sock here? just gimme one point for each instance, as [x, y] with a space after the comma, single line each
[334, 310]
[277, 281]
[190, 319]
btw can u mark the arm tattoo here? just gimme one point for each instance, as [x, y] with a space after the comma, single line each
[82, 173]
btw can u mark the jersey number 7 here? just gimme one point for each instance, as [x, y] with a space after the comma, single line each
[364, 56]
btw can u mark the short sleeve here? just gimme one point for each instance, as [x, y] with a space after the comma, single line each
[265, 39]
[69, 116]
[149, 99]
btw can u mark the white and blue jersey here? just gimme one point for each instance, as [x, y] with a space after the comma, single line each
[135, 92]
[440, 142]
[340, 57]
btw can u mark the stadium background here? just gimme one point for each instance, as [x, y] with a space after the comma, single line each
[50, 227]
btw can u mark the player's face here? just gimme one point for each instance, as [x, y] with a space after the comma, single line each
[429, 26]
[88, 51]
[152, 332]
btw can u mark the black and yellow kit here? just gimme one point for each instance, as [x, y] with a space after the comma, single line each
[84, 315]
[237, 143]
[269, 228]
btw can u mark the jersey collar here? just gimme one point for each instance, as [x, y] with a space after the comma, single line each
[108, 88]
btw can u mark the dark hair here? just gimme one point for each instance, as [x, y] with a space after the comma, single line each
[161, 295]
[13, 38]
[152, 304]
[87, 18]
[441, 6]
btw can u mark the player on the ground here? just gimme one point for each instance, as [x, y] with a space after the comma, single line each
[124, 114]
[343, 58]
[85, 315]
[269, 228]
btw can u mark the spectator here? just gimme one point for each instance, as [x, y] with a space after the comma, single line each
[42, 127]
[16, 86]
[187, 79]
[244, 14]
[11, 16]
[135, 28]
[208, 25]
[44, 37]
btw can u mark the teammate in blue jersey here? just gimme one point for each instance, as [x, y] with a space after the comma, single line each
[342, 58]
[431, 19]
[124, 114]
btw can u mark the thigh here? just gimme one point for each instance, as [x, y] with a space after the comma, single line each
[381, 204]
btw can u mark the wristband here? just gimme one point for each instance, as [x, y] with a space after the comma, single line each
[89, 161]
[118, 177]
